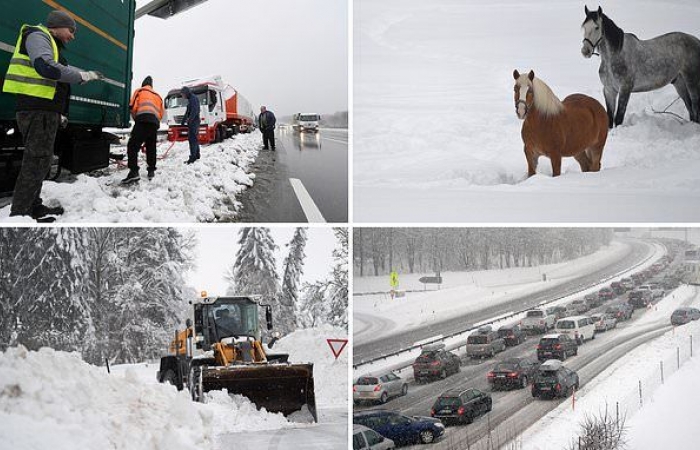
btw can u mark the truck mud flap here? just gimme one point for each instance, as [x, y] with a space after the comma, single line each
[284, 388]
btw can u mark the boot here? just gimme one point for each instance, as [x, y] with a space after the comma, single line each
[132, 177]
[151, 173]
[41, 211]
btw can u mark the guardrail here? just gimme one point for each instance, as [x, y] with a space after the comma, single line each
[513, 314]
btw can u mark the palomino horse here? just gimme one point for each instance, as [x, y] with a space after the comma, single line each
[629, 65]
[575, 127]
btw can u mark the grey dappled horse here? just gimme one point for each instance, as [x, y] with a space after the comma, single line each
[628, 64]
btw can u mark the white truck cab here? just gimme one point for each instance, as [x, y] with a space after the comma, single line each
[306, 122]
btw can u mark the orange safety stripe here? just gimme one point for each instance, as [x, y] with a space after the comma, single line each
[146, 101]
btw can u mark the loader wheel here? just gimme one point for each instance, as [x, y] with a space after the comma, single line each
[195, 383]
[170, 377]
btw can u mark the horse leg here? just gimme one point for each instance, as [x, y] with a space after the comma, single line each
[622, 104]
[595, 154]
[556, 164]
[531, 158]
[583, 161]
[610, 97]
[692, 85]
[682, 89]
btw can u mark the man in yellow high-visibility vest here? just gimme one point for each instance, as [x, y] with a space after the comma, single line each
[41, 78]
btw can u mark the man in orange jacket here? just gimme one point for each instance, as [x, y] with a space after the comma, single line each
[147, 111]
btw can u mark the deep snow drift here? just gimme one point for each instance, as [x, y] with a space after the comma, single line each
[54, 400]
[201, 192]
[436, 138]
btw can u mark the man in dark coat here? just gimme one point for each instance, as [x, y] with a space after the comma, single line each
[191, 118]
[41, 77]
[266, 121]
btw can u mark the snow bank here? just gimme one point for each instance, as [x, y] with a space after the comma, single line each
[201, 192]
[620, 382]
[54, 400]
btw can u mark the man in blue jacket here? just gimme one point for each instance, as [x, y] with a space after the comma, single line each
[40, 76]
[266, 121]
[191, 118]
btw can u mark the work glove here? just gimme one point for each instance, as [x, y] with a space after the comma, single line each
[91, 75]
[64, 121]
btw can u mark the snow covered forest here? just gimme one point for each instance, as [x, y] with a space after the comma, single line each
[378, 251]
[120, 293]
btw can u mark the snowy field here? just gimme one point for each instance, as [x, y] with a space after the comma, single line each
[201, 192]
[436, 138]
[54, 400]
[464, 292]
[667, 419]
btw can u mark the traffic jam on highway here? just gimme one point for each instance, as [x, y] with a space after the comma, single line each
[503, 368]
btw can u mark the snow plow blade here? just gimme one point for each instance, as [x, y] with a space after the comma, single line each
[284, 388]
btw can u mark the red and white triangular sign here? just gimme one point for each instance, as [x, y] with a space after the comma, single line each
[337, 346]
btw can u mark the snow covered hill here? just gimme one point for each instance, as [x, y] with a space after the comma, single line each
[201, 192]
[54, 400]
[436, 138]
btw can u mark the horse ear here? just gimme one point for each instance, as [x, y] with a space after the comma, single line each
[516, 74]
[585, 8]
[531, 75]
[600, 11]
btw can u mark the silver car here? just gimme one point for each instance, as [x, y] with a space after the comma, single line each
[378, 388]
[604, 322]
[364, 438]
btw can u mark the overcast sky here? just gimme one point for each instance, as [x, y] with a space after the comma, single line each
[288, 55]
[217, 249]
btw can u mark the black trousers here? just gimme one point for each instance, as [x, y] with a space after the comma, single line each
[38, 130]
[142, 133]
[269, 137]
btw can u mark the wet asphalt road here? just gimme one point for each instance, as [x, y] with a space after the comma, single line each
[320, 163]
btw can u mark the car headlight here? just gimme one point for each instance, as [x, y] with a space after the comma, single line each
[439, 425]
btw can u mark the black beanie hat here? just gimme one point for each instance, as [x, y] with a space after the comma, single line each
[60, 19]
[148, 81]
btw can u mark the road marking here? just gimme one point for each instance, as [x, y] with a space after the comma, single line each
[334, 140]
[307, 204]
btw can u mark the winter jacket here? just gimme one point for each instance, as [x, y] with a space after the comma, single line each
[267, 121]
[37, 44]
[192, 112]
[146, 105]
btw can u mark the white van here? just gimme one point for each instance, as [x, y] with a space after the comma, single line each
[580, 328]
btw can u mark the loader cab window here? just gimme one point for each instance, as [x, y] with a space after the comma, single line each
[228, 321]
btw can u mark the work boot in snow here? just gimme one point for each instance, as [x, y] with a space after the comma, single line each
[132, 177]
[41, 211]
[151, 173]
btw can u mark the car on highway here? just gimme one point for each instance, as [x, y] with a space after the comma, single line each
[554, 380]
[581, 305]
[592, 300]
[556, 345]
[621, 311]
[604, 321]
[579, 328]
[683, 315]
[461, 406]
[639, 299]
[484, 342]
[617, 287]
[512, 372]
[378, 388]
[627, 283]
[538, 320]
[605, 294]
[512, 334]
[435, 362]
[364, 438]
[401, 429]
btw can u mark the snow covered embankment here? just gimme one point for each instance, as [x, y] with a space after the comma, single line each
[54, 400]
[201, 192]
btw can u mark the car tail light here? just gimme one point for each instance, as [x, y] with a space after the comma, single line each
[435, 363]
[539, 347]
[354, 388]
[513, 375]
[432, 412]
[460, 411]
[557, 387]
[490, 375]
[557, 347]
[378, 388]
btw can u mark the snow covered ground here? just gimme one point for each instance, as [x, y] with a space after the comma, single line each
[436, 138]
[201, 192]
[54, 400]
[464, 292]
[667, 419]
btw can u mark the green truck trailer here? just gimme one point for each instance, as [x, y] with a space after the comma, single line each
[104, 42]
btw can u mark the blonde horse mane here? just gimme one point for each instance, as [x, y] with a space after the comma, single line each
[545, 101]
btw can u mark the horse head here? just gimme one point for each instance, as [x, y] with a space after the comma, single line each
[592, 31]
[524, 93]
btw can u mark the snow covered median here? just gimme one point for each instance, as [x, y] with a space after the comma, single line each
[201, 192]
